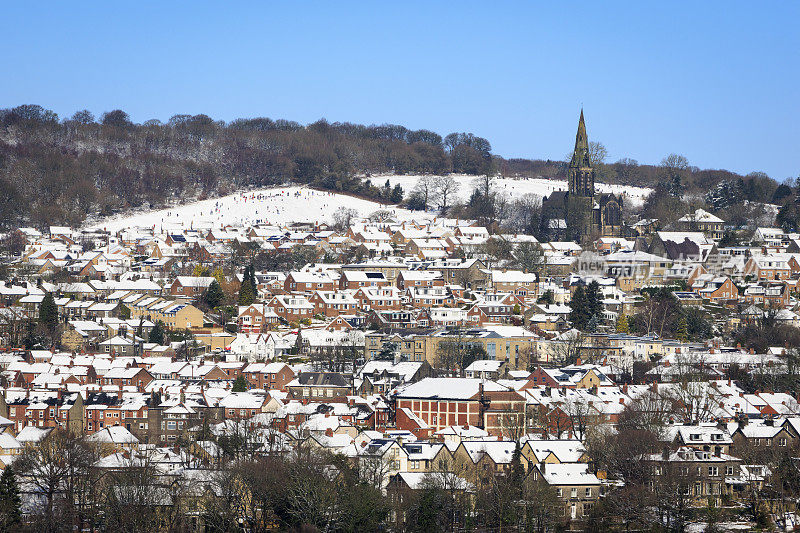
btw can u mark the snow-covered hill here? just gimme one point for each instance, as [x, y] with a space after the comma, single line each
[518, 187]
[283, 205]
[279, 205]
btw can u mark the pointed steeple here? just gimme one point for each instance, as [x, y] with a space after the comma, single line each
[580, 157]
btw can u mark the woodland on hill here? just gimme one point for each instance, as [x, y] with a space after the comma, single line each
[58, 171]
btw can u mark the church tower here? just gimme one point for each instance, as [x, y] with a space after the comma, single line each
[581, 222]
[580, 171]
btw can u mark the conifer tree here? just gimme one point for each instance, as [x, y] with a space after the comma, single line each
[157, 334]
[594, 301]
[214, 295]
[578, 315]
[253, 284]
[248, 290]
[517, 470]
[397, 194]
[48, 312]
[682, 329]
[239, 385]
[9, 501]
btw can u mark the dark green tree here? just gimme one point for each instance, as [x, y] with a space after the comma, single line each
[48, 313]
[579, 313]
[594, 300]
[546, 298]
[214, 295]
[9, 501]
[240, 384]
[517, 470]
[248, 291]
[157, 334]
[397, 194]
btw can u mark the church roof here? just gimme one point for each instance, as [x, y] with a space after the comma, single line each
[580, 157]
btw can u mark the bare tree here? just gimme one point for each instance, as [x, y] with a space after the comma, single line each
[426, 189]
[597, 153]
[445, 188]
[58, 471]
[343, 217]
[529, 256]
[137, 499]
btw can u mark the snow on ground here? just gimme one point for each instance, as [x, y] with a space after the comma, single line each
[283, 205]
[516, 187]
[280, 205]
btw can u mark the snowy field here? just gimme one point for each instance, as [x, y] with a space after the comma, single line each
[519, 187]
[280, 205]
[283, 205]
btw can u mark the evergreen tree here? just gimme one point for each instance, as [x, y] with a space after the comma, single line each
[682, 329]
[48, 312]
[214, 295]
[157, 334]
[253, 284]
[9, 501]
[397, 194]
[248, 290]
[240, 384]
[546, 298]
[594, 300]
[578, 316]
[517, 470]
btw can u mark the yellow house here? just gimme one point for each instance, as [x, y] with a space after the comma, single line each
[173, 314]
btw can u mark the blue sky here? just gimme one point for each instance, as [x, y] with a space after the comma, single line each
[715, 81]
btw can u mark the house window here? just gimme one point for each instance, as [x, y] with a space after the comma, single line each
[573, 493]
[588, 492]
[782, 441]
[713, 470]
[559, 492]
[728, 470]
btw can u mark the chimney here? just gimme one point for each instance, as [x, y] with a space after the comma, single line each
[329, 432]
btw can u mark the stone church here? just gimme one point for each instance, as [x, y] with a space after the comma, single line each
[579, 214]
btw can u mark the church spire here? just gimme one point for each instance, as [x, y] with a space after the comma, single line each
[580, 157]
